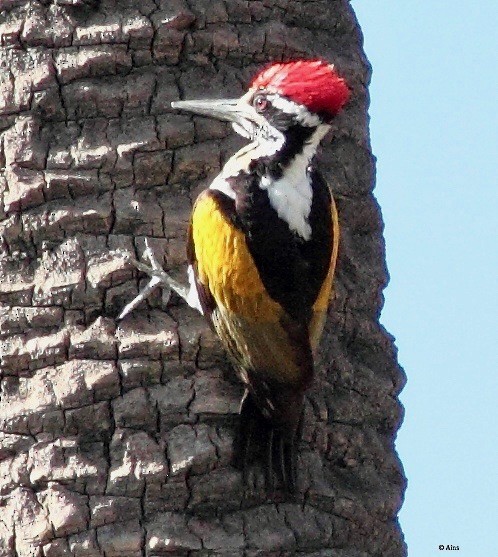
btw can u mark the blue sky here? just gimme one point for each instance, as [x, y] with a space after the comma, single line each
[434, 130]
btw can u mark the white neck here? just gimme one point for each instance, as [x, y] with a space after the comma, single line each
[291, 195]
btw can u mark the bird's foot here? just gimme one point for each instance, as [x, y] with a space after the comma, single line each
[158, 278]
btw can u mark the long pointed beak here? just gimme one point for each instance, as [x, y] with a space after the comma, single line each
[229, 110]
[237, 111]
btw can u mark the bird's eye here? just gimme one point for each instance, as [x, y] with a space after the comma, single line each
[260, 103]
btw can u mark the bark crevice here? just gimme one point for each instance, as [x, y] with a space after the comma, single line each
[116, 437]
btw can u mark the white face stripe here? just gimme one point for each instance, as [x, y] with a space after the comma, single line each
[260, 147]
[302, 114]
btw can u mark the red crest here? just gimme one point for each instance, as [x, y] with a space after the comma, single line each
[313, 83]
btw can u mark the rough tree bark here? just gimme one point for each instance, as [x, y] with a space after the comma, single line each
[116, 437]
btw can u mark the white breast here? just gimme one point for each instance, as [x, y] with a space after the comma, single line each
[291, 196]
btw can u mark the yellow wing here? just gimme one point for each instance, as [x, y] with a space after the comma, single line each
[322, 302]
[255, 329]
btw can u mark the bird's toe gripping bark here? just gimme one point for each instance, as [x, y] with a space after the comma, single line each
[158, 277]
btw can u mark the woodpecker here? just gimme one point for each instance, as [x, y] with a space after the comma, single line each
[262, 249]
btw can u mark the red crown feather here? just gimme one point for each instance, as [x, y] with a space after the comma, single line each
[314, 83]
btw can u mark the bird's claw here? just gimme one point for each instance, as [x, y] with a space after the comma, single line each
[158, 277]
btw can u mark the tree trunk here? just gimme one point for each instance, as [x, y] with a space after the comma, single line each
[116, 437]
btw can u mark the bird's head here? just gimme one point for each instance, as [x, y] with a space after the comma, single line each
[284, 97]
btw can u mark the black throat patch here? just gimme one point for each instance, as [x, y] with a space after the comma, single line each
[274, 165]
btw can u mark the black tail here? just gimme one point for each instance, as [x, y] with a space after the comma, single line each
[270, 443]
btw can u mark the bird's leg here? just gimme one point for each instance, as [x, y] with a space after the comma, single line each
[158, 277]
